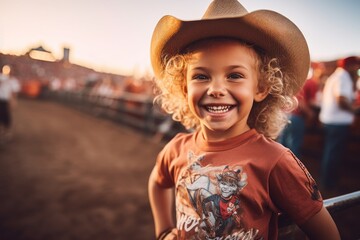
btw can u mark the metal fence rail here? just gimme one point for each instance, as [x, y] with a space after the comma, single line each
[290, 231]
[342, 202]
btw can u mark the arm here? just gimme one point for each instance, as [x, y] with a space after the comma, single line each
[345, 104]
[161, 202]
[321, 226]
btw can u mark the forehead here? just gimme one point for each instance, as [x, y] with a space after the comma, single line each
[222, 50]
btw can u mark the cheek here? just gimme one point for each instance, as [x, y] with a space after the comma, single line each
[192, 101]
[193, 94]
[242, 96]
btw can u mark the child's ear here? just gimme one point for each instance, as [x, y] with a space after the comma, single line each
[261, 94]
[184, 90]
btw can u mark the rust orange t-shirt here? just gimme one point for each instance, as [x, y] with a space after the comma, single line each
[236, 188]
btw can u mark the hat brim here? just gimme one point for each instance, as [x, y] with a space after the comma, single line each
[271, 31]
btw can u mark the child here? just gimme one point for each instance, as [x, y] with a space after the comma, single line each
[230, 76]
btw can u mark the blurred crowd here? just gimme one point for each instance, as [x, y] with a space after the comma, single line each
[103, 86]
[329, 101]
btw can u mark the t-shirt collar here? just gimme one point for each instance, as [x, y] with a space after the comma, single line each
[227, 144]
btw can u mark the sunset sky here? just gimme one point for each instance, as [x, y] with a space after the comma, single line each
[114, 35]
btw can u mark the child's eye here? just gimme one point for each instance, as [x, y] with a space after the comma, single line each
[200, 77]
[235, 76]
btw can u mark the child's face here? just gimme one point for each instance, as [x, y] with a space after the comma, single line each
[222, 80]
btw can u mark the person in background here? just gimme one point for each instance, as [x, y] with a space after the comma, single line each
[9, 87]
[337, 115]
[315, 85]
[229, 76]
[305, 114]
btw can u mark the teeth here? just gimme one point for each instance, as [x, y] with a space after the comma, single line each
[218, 109]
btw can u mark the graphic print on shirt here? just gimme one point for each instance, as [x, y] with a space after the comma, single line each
[209, 202]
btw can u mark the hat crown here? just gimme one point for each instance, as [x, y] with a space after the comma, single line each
[224, 9]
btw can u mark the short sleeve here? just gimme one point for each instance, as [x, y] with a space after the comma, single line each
[293, 190]
[164, 178]
[346, 88]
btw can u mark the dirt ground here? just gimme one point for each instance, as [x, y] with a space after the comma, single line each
[69, 175]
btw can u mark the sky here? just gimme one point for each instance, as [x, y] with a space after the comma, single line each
[114, 35]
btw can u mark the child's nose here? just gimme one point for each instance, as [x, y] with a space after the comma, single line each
[216, 90]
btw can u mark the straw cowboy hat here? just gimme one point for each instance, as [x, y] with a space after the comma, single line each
[269, 30]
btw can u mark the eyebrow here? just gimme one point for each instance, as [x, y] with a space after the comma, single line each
[238, 66]
[228, 67]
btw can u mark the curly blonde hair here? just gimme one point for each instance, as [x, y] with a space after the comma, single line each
[267, 117]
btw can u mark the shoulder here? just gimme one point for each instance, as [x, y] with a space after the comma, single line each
[264, 152]
[180, 138]
[176, 144]
[340, 74]
[268, 146]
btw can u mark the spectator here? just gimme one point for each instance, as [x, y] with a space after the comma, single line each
[337, 114]
[9, 87]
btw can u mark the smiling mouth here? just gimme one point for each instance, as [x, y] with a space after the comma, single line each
[225, 191]
[219, 108]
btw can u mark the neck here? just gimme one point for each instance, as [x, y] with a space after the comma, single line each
[218, 136]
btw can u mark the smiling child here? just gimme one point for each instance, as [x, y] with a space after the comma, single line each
[231, 77]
